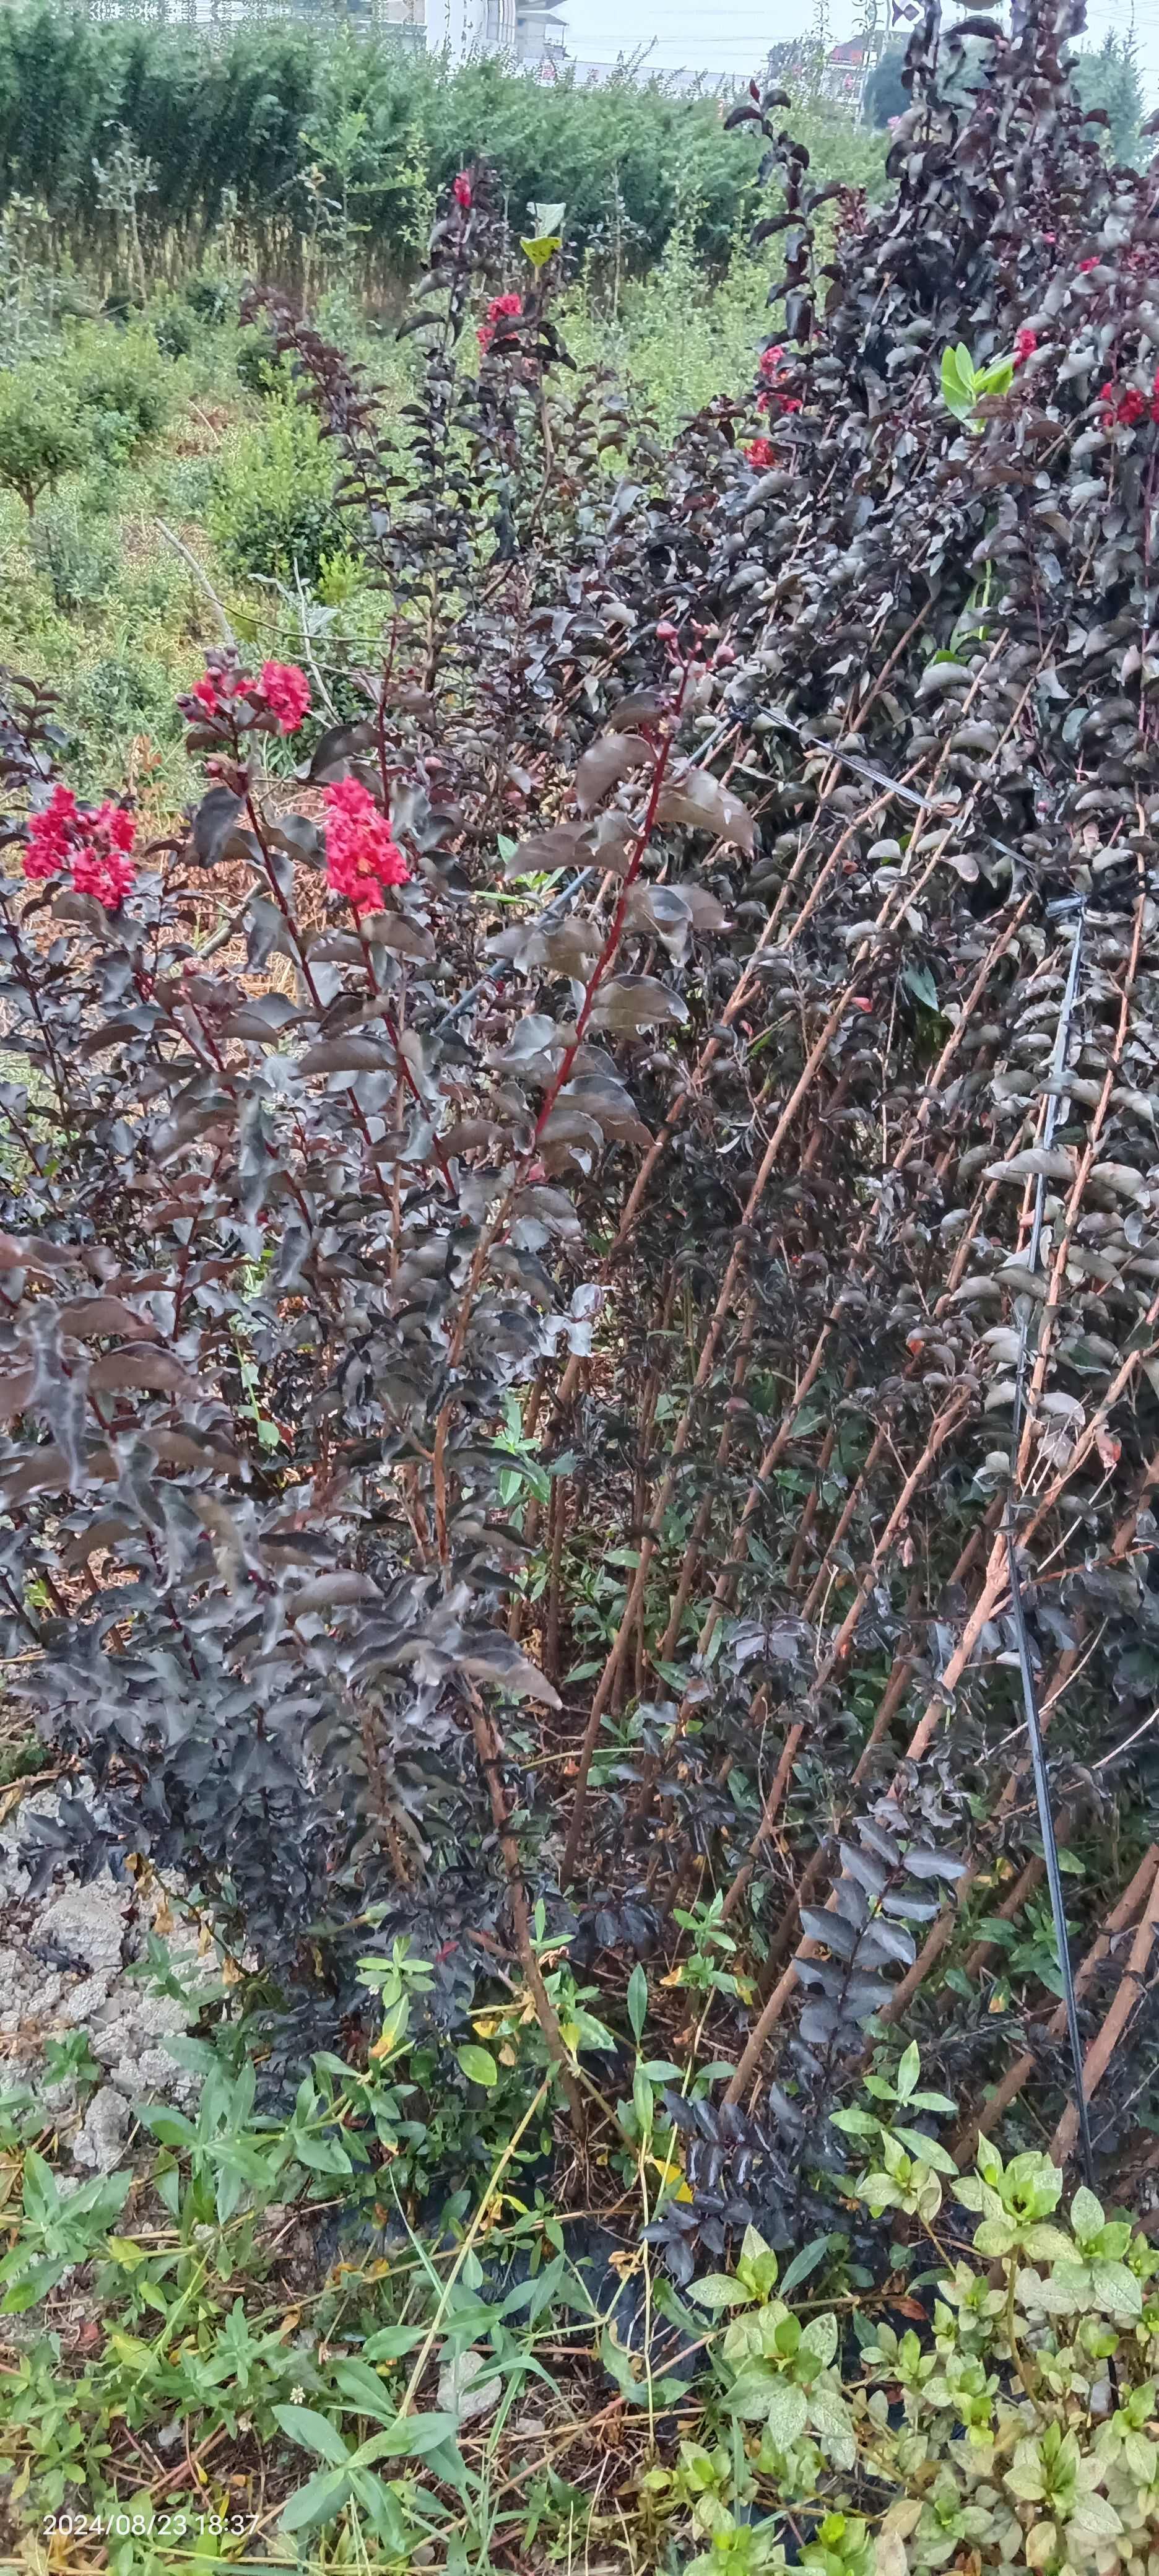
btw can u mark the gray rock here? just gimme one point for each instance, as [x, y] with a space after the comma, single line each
[87, 1923]
[150, 2074]
[78, 2009]
[100, 2140]
[99, 1930]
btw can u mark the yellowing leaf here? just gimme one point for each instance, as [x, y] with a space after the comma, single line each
[889, 2556]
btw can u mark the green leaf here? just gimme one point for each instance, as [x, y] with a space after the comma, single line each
[919, 981]
[878, 2192]
[391, 2343]
[716, 2290]
[186, 2051]
[911, 2063]
[804, 2264]
[409, 2436]
[927, 2151]
[229, 2190]
[320, 2155]
[831, 2421]
[478, 2065]
[637, 2001]
[364, 2389]
[319, 2500]
[994, 2236]
[1117, 2289]
[820, 2337]
[31, 2285]
[41, 2197]
[749, 2395]
[786, 2412]
[1026, 2480]
[1047, 2295]
[1094, 2519]
[1086, 2214]
[170, 2128]
[315, 2432]
[958, 381]
[1046, 2244]
[125, 2251]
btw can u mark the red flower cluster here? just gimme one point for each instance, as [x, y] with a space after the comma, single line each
[1123, 410]
[1086, 265]
[498, 309]
[93, 842]
[761, 453]
[361, 856]
[461, 190]
[286, 692]
[282, 690]
[1025, 342]
[775, 398]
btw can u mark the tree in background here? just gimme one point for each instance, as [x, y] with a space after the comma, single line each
[884, 96]
[1110, 79]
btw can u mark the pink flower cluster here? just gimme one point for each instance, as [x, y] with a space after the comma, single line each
[1123, 408]
[362, 858]
[775, 397]
[761, 453]
[94, 843]
[498, 310]
[286, 692]
[281, 690]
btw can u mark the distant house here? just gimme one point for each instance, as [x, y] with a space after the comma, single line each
[845, 72]
[520, 31]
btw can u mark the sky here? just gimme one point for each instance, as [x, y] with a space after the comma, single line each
[733, 35]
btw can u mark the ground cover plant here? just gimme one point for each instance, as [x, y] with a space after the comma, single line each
[581, 1358]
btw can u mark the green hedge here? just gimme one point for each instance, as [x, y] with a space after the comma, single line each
[244, 124]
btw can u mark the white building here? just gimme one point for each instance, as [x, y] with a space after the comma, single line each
[523, 31]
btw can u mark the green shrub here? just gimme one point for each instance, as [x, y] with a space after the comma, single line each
[124, 694]
[257, 363]
[174, 326]
[677, 338]
[122, 387]
[41, 433]
[246, 127]
[77, 556]
[211, 297]
[273, 500]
